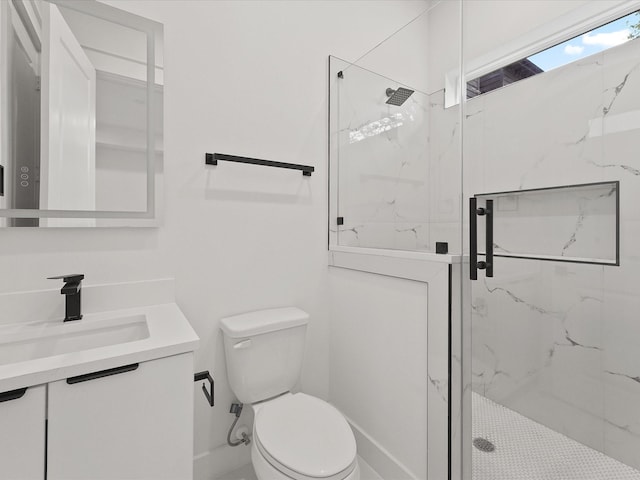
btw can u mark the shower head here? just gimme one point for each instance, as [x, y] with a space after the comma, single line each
[399, 96]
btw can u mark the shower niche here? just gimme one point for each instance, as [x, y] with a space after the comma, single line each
[569, 223]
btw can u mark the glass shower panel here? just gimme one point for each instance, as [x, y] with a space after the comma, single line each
[383, 164]
[391, 180]
[554, 370]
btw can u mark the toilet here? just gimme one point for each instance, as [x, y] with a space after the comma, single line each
[295, 435]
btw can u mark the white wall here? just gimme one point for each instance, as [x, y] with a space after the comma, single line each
[246, 78]
[489, 24]
[444, 35]
[402, 55]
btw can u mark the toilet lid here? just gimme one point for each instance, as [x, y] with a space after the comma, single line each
[306, 435]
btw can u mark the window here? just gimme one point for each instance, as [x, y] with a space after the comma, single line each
[591, 42]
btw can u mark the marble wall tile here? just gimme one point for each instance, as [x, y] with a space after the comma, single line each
[534, 132]
[537, 340]
[445, 172]
[621, 373]
[621, 326]
[393, 235]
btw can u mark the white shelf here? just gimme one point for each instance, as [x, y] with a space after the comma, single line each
[126, 148]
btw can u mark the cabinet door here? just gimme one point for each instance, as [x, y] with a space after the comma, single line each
[132, 424]
[22, 434]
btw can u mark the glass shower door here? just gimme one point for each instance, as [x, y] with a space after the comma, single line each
[550, 156]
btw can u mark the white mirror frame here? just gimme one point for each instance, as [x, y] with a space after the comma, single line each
[151, 29]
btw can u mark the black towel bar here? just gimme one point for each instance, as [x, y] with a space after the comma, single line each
[212, 159]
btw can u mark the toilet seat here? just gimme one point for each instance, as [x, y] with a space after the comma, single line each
[305, 438]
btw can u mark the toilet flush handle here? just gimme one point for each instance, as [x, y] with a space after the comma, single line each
[243, 344]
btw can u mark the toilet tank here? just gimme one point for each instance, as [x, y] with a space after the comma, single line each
[264, 351]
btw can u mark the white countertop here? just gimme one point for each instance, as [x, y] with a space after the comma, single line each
[169, 334]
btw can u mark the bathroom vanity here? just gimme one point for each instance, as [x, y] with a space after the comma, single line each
[109, 396]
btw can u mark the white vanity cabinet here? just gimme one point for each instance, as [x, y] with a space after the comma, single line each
[112, 396]
[131, 422]
[22, 436]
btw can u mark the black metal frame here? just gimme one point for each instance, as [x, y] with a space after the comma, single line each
[615, 183]
[339, 219]
[213, 158]
[205, 375]
[450, 369]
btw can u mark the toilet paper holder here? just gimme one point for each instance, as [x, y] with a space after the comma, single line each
[205, 375]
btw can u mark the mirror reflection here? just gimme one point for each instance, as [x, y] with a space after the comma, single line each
[81, 113]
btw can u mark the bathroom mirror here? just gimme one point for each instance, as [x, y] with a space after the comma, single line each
[81, 86]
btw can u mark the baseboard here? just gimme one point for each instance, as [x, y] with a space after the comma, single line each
[383, 462]
[214, 463]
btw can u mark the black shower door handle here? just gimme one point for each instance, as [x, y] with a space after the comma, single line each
[473, 238]
[488, 211]
[474, 264]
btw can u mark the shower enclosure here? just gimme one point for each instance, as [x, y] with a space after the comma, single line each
[555, 370]
[544, 371]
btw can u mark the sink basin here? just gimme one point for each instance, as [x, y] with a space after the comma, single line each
[38, 340]
[43, 352]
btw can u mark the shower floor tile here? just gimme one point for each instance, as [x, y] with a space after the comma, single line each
[526, 450]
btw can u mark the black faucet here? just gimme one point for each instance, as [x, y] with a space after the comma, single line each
[71, 290]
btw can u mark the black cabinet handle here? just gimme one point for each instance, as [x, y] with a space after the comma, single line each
[12, 394]
[102, 373]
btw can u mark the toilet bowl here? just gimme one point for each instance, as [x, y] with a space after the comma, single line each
[295, 435]
[302, 437]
